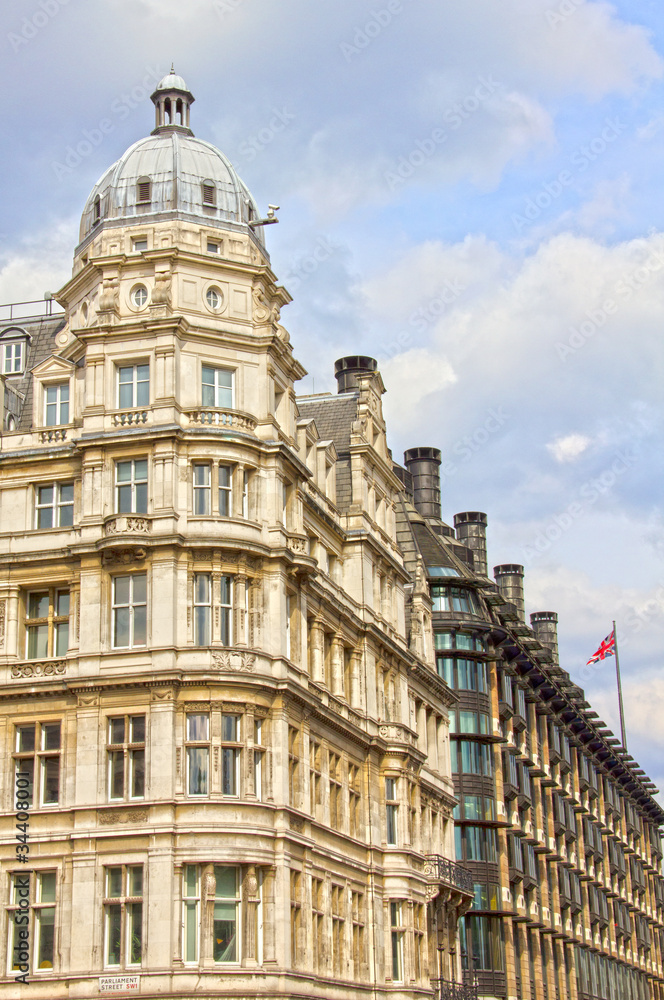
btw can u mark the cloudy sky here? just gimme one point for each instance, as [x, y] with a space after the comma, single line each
[469, 192]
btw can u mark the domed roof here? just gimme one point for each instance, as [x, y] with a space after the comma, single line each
[172, 82]
[171, 173]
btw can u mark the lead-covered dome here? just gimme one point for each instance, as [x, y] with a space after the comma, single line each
[171, 172]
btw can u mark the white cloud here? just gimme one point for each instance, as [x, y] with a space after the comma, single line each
[569, 448]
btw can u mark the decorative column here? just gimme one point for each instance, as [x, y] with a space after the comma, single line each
[250, 900]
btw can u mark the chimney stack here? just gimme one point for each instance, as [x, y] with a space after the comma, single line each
[346, 371]
[423, 464]
[509, 578]
[545, 626]
[471, 531]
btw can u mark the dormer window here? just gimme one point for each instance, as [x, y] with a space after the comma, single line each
[13, 351]
[143, 191]
[96, 211]
[56, 404]
[209, 194]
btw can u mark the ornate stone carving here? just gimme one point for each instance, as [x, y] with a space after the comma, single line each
[43, 668]
[298, 545]
[234, 660]
[395, 734]
[111, 817]
[141, 525]
[124, 556]
[297, 824]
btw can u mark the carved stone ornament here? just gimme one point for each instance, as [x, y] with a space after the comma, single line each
[124, 556]
[298, 545]
[394, 733]
[45, 668]
[120, 524]
[432, 889]
[111, 817]
[234, 660]
[3, 616]
[209, 886]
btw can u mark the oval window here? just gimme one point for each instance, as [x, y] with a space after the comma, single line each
[139, 296]
[213, 299]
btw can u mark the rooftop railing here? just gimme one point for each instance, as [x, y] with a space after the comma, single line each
[11, 311]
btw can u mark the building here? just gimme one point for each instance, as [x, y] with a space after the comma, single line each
[235, 637]
[204, 612]
[555, 820]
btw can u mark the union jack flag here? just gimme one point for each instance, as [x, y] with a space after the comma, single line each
[607, 647]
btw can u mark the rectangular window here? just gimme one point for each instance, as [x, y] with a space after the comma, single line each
[191, 913]
[217, 387]
[357, 912]
[354, 800]
[338, 930]
[47, 624]
[54, 506]
[397, 931]
[37, 762]
[123, 916]
[318, 941]
[202, 494]
[125, 752]
[314, 776]
[56, 404]
[212, 247]
[226, 916]
[202, 608]
[40, 894]
[12, 359]
[391, 810]
[230, 754]
[296, 917]
[419, 927]
[130, 611]
[335, 790]
[259, 756]
[225, 490]
[131, 486]
[245, 494]
[133, 386]
[226, 606]
[198, 752]
[293, 766]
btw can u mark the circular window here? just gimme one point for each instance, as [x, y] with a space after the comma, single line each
[214, 299]
[139, 296]
[84, 313]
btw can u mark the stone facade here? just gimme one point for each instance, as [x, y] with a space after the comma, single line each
[205, 663]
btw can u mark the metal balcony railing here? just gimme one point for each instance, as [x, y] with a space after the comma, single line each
[449, 872]
[446, 990]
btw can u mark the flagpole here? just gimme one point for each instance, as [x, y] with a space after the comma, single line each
[620, 697]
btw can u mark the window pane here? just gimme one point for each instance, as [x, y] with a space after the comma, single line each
[62, 602]
[123, 472]
[50, 779]
[201, 588]
[135, 880]
[121, 585]
[202, 626]
[197, 758]
[141, 498]
[191, 880]
[224, 932]
[135, 931]
[116, 729]
[113, 882]
[228, 778]
[142, 394]
[61, 638]
[51, 736]
[45, 517]
[229, 727]
[226, 882]
[38, 605]
[197, 726]
[140, 582]
[47, 887]
[137, 723]
[37, 641]
[140, 626]
[114, 930]
[45, 494]
[137, 773]
[26, 768]
[191, 932]
[121, 627]
[46, 932]
[116, 765]
[225, 590]
[25, 738]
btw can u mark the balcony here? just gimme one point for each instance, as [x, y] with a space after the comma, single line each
[449, 872]
[224, 419]
[446, 990]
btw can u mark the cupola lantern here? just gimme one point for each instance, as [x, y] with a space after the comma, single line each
[172, 101]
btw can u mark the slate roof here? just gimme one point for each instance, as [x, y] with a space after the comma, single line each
[333, 416]
[18, 390]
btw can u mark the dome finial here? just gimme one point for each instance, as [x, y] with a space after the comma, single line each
[173, 67]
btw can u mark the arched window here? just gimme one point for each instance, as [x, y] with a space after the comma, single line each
[143, 191]
[209, 194]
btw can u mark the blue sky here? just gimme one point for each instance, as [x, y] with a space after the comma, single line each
[468, 192]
